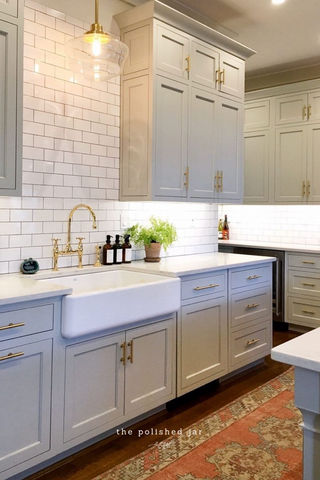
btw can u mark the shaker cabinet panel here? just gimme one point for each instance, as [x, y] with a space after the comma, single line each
[291, 109]
[313, 173]
[8, 105]
[205, 65]
[138, 42]
[202, 154]
[291, 164]
[203, 343]
[172, 51]
[256, 167]
[231, 150]
[10, 7]
[314, 106]
[171, 125]
[135, 138]
[25, 399]
[257, 115]
[150, 366]
[232, 75]
[94, 385]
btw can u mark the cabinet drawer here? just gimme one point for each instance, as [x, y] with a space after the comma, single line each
[250, 277]
[208, 285]
[305, 260]
[307, 283]
[303, 312]
[250, 344]
[250, 306]
[18, 323]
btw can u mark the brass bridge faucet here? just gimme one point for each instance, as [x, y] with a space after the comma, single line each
[68, 250]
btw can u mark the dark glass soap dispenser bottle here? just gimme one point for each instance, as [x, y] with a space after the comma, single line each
[126, 250]
[107, 253]
[117, 250]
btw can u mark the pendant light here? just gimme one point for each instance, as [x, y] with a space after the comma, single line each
[96, 55]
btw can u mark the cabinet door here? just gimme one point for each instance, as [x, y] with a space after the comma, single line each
[171, 126]
[25, 399]
[231, 150]
[232, 75]
[94, 386]
[257, 115]
[203, 141]
[202, 343]
[205, 65]
[313, 169]
[150, 369]
[138, 42]
[8, 106]
[291, 164]
[172, 51]
[291, 109]
[10, 7]
[135, 137]
[256, 167]
[314, 106]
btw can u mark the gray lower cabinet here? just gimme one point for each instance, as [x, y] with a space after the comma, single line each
[113, 378]
[25, 400]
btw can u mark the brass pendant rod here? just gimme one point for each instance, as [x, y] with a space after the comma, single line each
[97, 12]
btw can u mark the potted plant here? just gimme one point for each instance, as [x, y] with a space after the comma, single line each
[159, 233]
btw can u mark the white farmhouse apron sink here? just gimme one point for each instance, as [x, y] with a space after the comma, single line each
[106, 300]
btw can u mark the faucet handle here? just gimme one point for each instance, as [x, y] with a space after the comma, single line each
[55, 241]
[80, 239]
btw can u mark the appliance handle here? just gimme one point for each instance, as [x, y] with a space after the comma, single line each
[277, 286]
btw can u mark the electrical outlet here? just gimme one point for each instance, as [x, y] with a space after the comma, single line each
[125, 220]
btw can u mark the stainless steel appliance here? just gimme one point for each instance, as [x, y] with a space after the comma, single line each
[278, 284]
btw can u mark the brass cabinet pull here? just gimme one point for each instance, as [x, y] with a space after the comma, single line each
[308, 188]
[252, 342]
[218, 75]
[253, 277]
[221, 178]
[304, 111]
[309, 284]
[130, 357]
[253, 305]
[186, 183]
[309, 311]
[222, 76]
[207, 286]
[303, 188]
[123, 358]
[12, 325]
[309, 111]
[11, 355]
[188, 64]
[308, 262]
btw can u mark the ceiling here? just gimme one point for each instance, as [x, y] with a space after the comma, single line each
[285, 36]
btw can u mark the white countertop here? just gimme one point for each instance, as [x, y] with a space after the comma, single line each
[20, 288]
[288, 247]
[301, 352]
[14, 288]
[201, 263]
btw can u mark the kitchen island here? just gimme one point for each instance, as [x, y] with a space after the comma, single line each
[304, 353]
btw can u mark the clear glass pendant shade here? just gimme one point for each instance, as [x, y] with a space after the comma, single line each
[96, 55]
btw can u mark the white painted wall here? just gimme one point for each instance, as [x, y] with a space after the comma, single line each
[71, 156]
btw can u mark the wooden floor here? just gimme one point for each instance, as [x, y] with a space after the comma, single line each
[181, 413]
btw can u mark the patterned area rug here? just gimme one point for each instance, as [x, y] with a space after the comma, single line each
[257, 437]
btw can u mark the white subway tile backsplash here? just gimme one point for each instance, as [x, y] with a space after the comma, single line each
[71, 155]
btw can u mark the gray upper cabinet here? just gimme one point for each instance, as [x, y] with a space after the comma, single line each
[182, 109]
[11, 38]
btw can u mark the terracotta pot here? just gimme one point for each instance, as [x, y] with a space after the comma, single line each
[152, 252]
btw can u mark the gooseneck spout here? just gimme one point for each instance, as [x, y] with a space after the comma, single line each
[68, 247]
